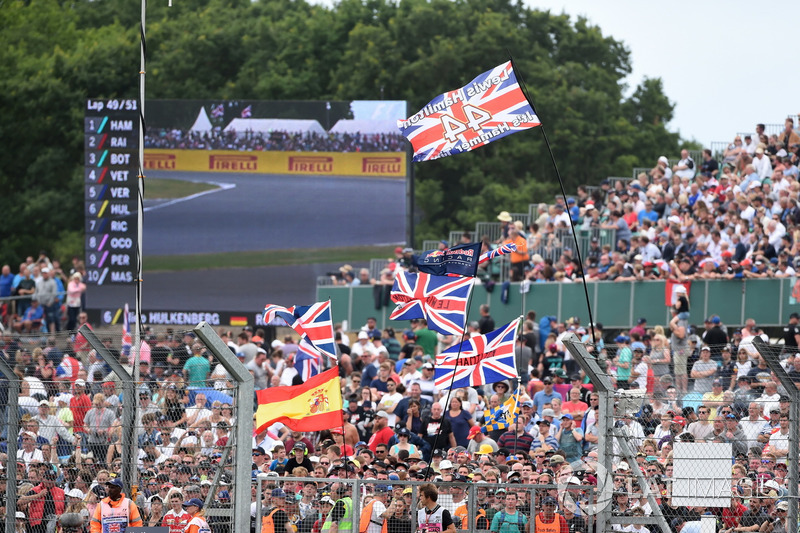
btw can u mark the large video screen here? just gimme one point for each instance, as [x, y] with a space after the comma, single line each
[273, 175]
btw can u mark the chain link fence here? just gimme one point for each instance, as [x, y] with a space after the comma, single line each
[78, 428]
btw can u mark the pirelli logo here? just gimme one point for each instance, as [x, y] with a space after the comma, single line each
[315, 164]
[382, 165]
[247, 163]
[159, 161]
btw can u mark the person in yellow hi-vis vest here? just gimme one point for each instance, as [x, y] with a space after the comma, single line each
[341, 516]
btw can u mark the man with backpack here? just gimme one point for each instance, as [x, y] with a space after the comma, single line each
[509, 520]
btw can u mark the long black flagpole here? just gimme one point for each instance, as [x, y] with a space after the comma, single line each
[563, 194]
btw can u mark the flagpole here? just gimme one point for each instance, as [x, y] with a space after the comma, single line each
[563, 195]
[458, 356]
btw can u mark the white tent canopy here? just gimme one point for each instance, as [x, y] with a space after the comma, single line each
[369, 127]
[241, 126]
[202, 124]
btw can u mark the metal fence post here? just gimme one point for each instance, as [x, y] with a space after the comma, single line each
[11, 443]
[244, 422]
[771, 355]
[605, 416]
[606, 435]
[129, 440]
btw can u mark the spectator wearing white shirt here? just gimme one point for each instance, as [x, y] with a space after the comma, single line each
[686, 167]
[762, 164]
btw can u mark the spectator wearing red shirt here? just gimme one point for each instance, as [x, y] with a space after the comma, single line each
[381, 431]
[79, 405]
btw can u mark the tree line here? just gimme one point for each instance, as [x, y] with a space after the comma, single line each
[58, 53]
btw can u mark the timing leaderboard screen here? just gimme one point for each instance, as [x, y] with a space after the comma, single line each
[111, 143]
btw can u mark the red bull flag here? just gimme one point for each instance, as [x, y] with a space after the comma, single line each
[486, 109]
[460, 260]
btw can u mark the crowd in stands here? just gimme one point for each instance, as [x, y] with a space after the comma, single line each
[709, 385]
[274, 141]
[738, 218]
[41, 296]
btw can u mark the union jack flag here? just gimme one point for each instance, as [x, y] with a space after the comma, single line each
[479, 360]
[489, 107]
[307, 359]
[247, 112]
[126, 333]
[500, 250]
[441, 300]
[218, 111]
[313, 321]
[504, 416]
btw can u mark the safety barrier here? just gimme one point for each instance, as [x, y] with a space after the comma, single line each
[616, 305]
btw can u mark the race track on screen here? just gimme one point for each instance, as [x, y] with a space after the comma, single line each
[274, 212]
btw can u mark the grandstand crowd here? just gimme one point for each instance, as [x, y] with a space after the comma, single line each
[729, 219]
[703, 383]
[274, 141]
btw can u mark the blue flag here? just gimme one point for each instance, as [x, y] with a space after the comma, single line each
[460, 260]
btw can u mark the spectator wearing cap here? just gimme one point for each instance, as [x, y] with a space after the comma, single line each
[703, 371]
[107, 515]
[403, 444]
[381, 432]
[477, 440]
[715, 337]
[545, 396]
[299, 457]
[734, 434]
[276, 519]
[197, 524]
[547, 520]
[570, 438]
[715, 398]
[375, 513]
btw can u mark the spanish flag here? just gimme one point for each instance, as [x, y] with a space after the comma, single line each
[313, 406]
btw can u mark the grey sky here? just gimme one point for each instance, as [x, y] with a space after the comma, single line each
[726, 65]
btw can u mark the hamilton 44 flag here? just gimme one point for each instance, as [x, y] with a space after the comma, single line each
[479, 360]
[489, 107]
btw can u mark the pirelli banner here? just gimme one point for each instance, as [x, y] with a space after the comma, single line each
[373, 164]
[319, 138]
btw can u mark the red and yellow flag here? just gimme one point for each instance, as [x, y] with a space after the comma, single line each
[313, 406]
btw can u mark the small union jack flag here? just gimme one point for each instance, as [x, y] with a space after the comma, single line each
[479, 360]
[218, 111]
[307, 359]
[441, 300]
[313, 321]
[500, 250]
[126, 333]
[247, 112]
